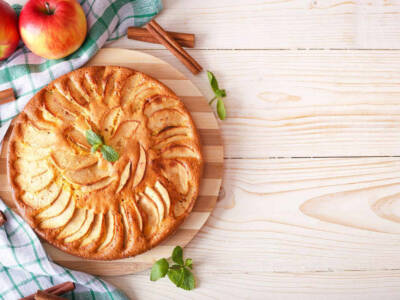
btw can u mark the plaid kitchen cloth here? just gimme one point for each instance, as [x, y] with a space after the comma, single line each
[107, 21]
[24, 265]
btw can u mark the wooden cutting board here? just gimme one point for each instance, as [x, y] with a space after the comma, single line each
[210, 134]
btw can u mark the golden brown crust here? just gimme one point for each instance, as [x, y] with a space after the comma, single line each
[78, 201]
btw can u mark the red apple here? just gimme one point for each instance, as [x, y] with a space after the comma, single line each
[52, 28]
[9, 36]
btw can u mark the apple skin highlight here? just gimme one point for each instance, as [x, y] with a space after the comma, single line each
[9, 35]
[53, 29]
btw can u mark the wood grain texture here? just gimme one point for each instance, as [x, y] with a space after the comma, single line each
[344, 285]
[290, 24]
[305, 103]
[209, 186]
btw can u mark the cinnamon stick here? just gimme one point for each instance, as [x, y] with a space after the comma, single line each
[57, 290]
[142, 34]
[164, 38]
[3, 218]
[40, 295]
[6, 96]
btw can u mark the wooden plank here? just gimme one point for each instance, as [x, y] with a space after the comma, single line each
[345, 285]
[256, 24]
[298, 215]
[306, 103]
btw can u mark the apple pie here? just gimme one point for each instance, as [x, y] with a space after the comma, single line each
[81, 202]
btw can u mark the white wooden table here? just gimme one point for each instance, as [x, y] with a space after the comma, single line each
[310, 207]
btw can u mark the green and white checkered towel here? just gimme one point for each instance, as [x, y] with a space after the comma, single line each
[24, 265]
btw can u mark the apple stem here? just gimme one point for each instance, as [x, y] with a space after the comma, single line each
[47, 8]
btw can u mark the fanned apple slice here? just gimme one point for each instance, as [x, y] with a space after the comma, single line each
[153, 195]
[77, 138]
[48, 117]
[35, 183]
[125, 224]
[72, 90]
[57, 207]
[39, 138]
[168, 132]
[127, 94]
[43, 198]
[113, 81]
[67, 160]
[164, 195]
[110, 230]
[138, 215]
[86, 176]
[30, 168]
[140, 168]
[175, 171]
[178, 150]
[95, 231]
[61, 108]
[74, 224]
[98, 185]
[31, 154]
[110, 121]
[77, 86]
[165, 118]
[61, 219]
[126, 173]
[146, 205]
[159, 102]
[92, 79]
[145, 91]
[169, 140]
[83, 229]
[123, 134]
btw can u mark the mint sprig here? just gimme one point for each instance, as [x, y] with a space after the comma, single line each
[178, 273]
[97, 142]
[219, 94]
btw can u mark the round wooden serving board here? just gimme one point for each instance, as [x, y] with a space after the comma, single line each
[208, 128]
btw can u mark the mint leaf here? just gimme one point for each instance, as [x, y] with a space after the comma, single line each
[189, 263]
[221, 109]
[178, 273]
[159, 269]
[177, 255]
[176, 276]
[176, 267]
[94, 148]
[213, 81]
[93, 138]
[188, 282]
[220, 93]
[109, 153]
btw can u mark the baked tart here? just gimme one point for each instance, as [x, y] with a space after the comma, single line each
[84, 204]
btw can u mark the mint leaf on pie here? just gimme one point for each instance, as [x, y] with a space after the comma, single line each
[109, 153]
[93, 138]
